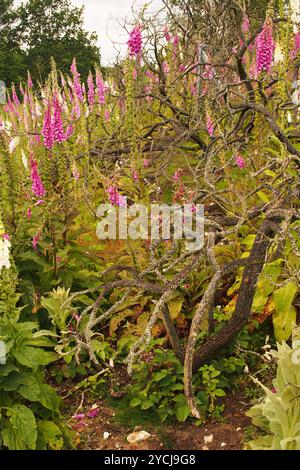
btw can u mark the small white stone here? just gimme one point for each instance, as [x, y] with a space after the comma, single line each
[223, 444]
[138, 436]
[205, 448]
[208, 439]
[106, 435]
[238, 429]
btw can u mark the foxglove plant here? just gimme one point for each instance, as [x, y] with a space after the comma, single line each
[101, 89]
[175, 46]
[37, 185]
[15, 97]
[57, 125]
[69, 132]
[76, 82]
[245, 24]
[167, 34]
[115, 198]
[135, 42]
[265, 47]
[47, 131]
[29, 81]
[240, 162]
[106, 115]
[166, 68]
[35, 240]
[91, 91]
[209, 125]
[296, 46]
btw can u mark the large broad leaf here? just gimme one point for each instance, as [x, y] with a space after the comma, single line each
[6, 369]
[5, 399]
[262, 443]
[20, 432]
[34, 357]
[48, 398]
[175, 306]
[183, 410]
[41, 339]
[265, 285]
[117, 319]
[285, 314]
[49, 436]
[182, 413]
[25, 383]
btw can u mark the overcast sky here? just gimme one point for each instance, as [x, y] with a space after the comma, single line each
[102, 16]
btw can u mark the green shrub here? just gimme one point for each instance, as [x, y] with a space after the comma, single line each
[29, 408]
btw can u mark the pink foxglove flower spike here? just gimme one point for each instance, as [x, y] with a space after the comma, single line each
[265, 47]
[37, 186]
[209, 125]
[135, 42]
[76, 82]
[47, 131]
[58, 129]
[240, 162]
[91, 91]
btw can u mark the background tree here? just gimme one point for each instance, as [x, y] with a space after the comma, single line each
[12, 65]
[54, 28]
[253, 7]
[39, 30]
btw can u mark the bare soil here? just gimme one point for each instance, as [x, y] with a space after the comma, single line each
[227, 434]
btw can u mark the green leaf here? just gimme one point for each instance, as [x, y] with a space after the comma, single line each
[175, 306]
[263, 196]
[49, 436]
[157, 376]
[177, 386]
[285, 313]
[25, 383]
[219, 392]
[6, 369]
[270, 173]
[48, 398]
[146, 404]
[5, 400]
[182, 413]
[34, 357]
[136, 401]
[248, 241]
[20, 431]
